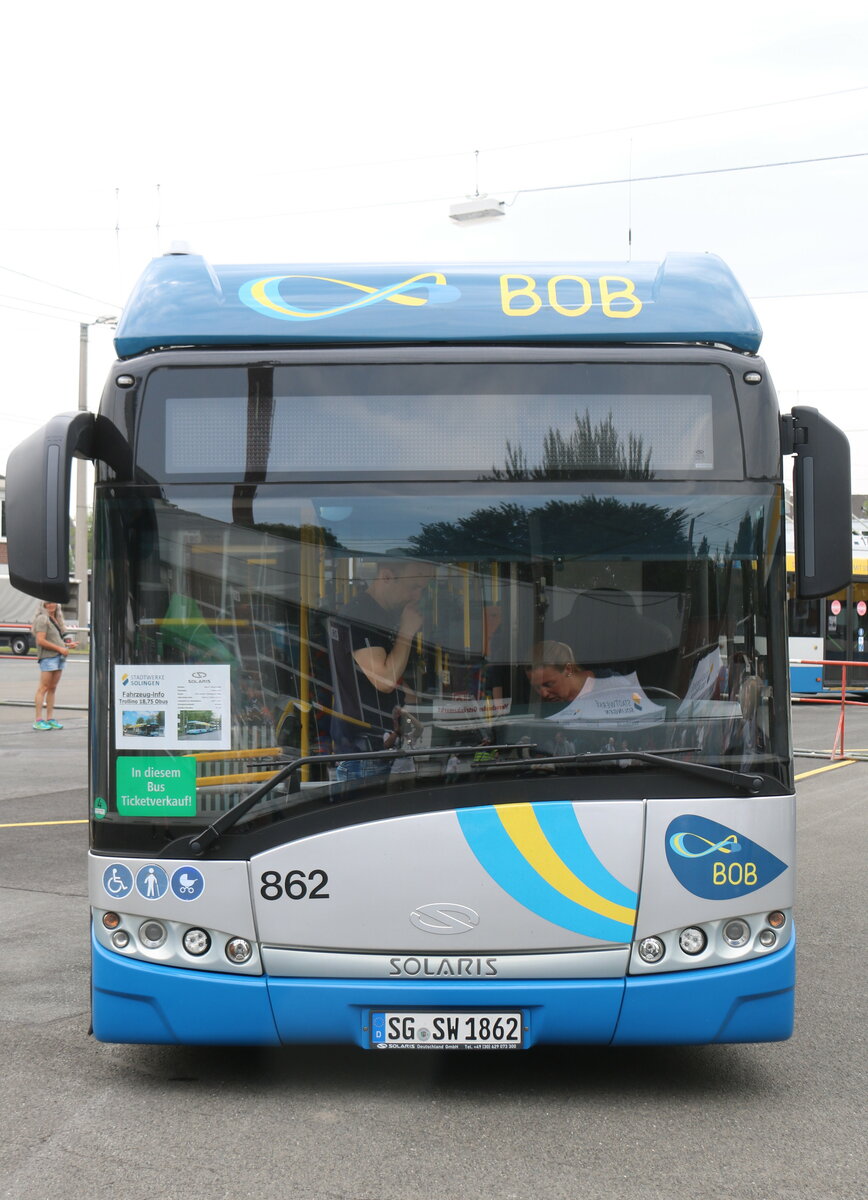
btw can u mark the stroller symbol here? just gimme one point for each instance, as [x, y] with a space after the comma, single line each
[187, 883]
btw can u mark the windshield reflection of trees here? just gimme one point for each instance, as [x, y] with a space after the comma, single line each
[592, 451]
[592, 527]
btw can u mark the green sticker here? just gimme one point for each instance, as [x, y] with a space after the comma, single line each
[156, 787]
[100, 808]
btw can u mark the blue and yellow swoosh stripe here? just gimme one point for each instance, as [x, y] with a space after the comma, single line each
[539, 855]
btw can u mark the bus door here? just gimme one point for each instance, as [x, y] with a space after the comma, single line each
[858, 676]
[847, 635]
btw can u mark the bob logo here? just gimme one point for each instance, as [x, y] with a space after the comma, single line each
[317, 297]
[715, 862]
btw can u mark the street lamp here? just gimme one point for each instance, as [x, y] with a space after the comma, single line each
[81, 565]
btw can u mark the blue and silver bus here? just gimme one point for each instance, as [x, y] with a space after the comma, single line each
[479, 575]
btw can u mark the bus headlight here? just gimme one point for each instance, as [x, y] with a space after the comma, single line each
[767, 938]
[197, 942]
[238, 950]
[736, 933]
[120, 939]
[692, 940]
[152, 934]
[651, 949]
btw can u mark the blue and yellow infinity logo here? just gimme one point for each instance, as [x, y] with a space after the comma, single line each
[539, 855]
[728, 845]
[266, 296]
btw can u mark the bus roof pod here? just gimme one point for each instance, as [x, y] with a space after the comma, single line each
[182, 300]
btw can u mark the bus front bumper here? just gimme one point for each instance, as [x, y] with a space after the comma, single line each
[136, 1002]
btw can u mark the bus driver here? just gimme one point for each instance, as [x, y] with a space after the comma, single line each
[596, 700]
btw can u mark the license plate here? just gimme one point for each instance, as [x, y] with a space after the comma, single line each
[447, 1030]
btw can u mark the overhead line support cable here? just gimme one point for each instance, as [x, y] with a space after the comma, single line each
[59, 287]
[795, 162]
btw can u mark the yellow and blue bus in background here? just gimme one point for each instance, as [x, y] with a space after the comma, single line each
[829, 629]
[546, 504]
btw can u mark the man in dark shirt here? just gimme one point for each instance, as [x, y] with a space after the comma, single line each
[369, 645]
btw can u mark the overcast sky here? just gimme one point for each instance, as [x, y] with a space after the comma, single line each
[286, 132]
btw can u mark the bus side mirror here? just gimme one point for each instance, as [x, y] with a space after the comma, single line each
[821, 487]
[38, 477]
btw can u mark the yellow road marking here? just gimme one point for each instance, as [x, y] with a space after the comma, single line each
[23, 824]
[845, 762]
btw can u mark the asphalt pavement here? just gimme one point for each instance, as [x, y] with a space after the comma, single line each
[765, 1122]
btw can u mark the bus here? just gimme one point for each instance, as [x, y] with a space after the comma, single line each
[198, 728]
[828, 629]
[480, 573]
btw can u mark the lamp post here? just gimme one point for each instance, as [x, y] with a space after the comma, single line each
[81, 564]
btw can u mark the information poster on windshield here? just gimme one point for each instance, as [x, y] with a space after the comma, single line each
[172, 708]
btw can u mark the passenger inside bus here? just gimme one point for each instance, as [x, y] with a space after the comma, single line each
[369, 648]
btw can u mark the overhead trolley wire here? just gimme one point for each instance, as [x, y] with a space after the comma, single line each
[792, 162]
[385, 162]
[35, 313]
[557, 187]
[723, 112]
[58, 287]
[80, 312]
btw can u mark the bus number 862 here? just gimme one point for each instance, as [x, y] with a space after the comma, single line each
[296, 885]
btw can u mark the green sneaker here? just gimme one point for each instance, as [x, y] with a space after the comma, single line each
[52, 724]
[41, 725]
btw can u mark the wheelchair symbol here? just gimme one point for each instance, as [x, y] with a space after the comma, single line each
[117, 880]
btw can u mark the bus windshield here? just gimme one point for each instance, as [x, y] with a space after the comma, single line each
[468, 628]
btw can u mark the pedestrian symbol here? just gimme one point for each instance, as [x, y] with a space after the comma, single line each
[117, 880]
[152, 882]
[188, 883]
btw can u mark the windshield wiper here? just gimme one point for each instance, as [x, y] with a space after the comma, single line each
[747, 783]
[197, 843]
